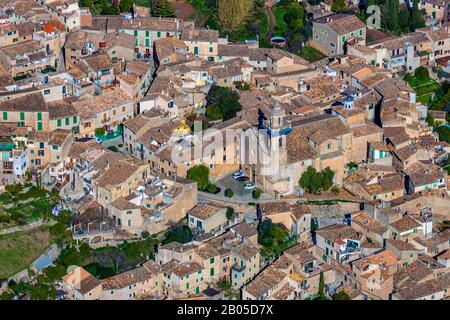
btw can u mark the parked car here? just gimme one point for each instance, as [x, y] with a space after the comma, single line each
[243, 179]
[249, 186]
[237, 174]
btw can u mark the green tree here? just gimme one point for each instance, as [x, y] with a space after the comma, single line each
[339, 5]
[295, 17]
[342, 295]
[211, 188]
[392, 7]
[163, 8]
[230, 213]
[200, 174]
[232, 13]
[181, 234]
[321, 293]
[256, 193]
[224, 99]
[271, 235]
[125, 5]
[404, 19]
[416, 19]
[229, 193]
[421, 73]
[327, 178]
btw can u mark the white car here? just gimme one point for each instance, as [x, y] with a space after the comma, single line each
[237, 174]
[249, 186]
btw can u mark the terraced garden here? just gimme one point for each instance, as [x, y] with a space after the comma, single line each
[18, 250]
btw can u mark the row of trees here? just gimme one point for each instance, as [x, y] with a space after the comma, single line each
[397, 18]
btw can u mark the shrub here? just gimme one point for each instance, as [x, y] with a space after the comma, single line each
[200, 174]
[230, 213]
[256, 194]
[421, 73]
[229, 193]
[145, 234]
[100, 131]
[211, 188]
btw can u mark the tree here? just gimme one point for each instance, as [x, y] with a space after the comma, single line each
[310, 180]
[321, 293]
[339, 5]
[392, 7]
[232, 13]
[271, 235]
[200, 174]
[163, 8]
[223, 99]
[327, 178]
[416, 19]
[181, 234]
[125, 5]
[256, 193]
[421, 73]
[229, 193]
[211, 188]
[404, 19]
[230, 213]
[295, 17]
[342, 295]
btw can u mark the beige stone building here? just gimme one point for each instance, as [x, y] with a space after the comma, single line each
[81, 285]
[333, 33]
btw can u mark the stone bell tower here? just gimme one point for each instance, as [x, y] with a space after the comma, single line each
[276, 146]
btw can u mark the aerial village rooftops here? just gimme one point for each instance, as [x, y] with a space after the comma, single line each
[342, 23]
[404, 224]
[204, 211]
[423, 289]
[33, 102]
[90, 106]
[363, 219]
[81, 280]
[338, 231]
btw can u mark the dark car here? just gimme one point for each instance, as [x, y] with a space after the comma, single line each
[243, 179]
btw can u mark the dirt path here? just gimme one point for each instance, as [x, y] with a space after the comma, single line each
[270, 18]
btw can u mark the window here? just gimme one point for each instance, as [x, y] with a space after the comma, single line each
[158, 34]
[211, 260]
[5, 115]
[135, 33]
[58, 123]
[22, 116]
[75, 119]
[211, 272]
[55, 147]
[46, 91]
[147, 42]
[67, 121]
[147, 33]
[39, 126]
[39, 116]
[210, 49]
[361, 33]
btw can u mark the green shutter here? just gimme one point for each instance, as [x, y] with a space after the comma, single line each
[136, 42]
[211, 272]
[147, 42]
[39, 126]
[147, 33]
[22, 116]
[135, 33]
[67, 121]
[158, 34]
[75, 119]
[39, 115]
[5, 115]
[58, 123]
